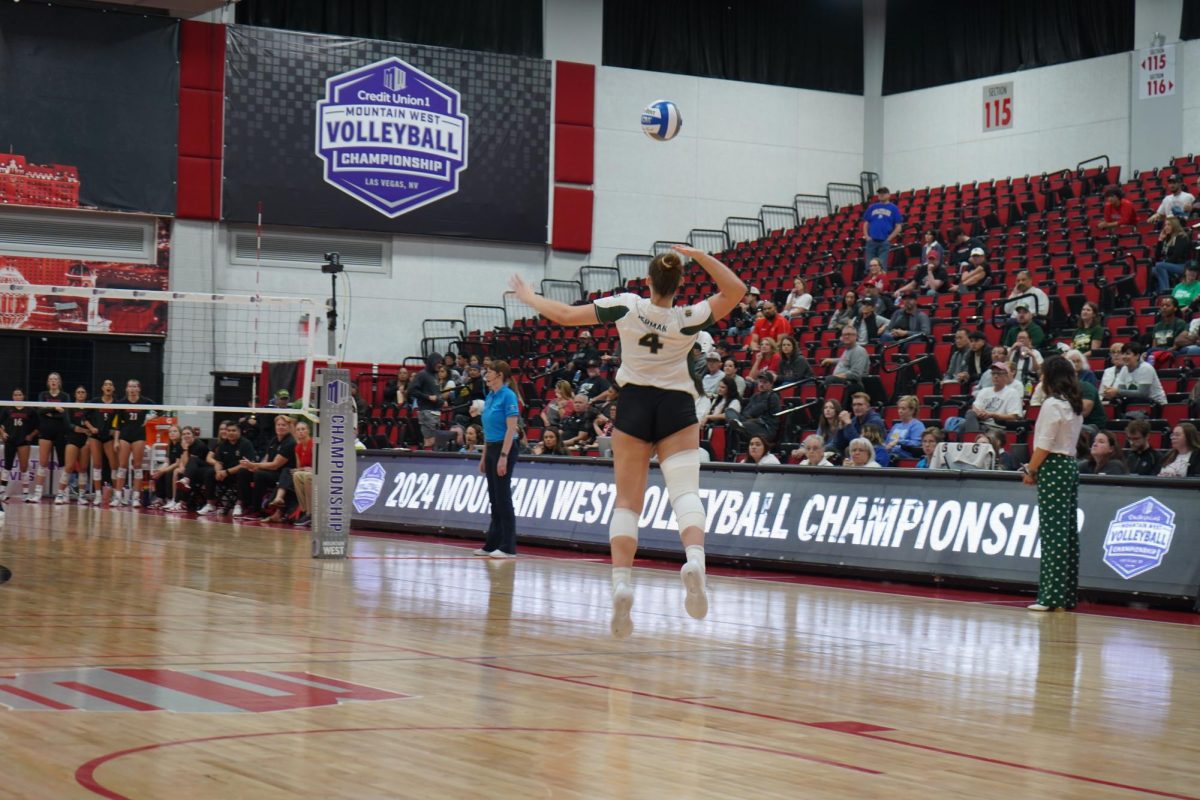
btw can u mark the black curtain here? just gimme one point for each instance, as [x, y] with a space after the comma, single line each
[809, 44]
[1189, 25]
[513, 27]
[935, 42]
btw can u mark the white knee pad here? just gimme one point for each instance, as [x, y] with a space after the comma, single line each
[121, 473]
[623, 523]
[97, 474]
[681, 474]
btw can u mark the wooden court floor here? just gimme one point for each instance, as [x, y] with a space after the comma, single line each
[147, 656]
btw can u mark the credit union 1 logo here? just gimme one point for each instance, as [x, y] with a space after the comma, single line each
[391, 136]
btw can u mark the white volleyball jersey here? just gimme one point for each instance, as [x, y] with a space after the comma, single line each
[656, 342]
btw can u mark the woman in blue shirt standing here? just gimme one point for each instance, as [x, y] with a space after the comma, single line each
[500, 414]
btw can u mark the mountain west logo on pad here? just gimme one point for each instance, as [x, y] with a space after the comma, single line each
[1139, 537]
[391, 136]
[336, 392]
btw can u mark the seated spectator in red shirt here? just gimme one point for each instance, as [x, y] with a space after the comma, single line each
[765, 358]
[1117, 210]
[769, 326]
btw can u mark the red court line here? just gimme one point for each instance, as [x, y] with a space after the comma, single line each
[37, 698]
[128, 702]
[85, 775]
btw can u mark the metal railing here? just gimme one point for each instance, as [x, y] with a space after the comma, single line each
[599, 279]
[632, 265]
[710, 241]
[778, 218]
[843, 194]
[484, 318]
[743, 229]
[811, 206]
[569, 292]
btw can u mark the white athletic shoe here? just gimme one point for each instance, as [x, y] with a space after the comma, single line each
[98, 498]
[37, 496]
[696, 601]
[25, 495]
[237, 510]
[3, 492]
[498, 553]
[622, 599]
[207, 509]
[481, 552]
[137, 500]
[116, 501]
[60, 499]
[83, 501]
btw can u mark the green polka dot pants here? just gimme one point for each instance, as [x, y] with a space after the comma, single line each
[1058, 505]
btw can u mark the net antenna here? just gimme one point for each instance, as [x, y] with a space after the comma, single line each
[205, 334]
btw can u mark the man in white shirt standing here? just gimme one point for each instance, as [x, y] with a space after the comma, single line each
[1177, 203]
[1136, 380]
[1000, 403]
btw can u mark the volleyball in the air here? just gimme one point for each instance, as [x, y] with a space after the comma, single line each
[661, 120]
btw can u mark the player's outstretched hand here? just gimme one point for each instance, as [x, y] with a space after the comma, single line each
[521, 289]
[693, 253]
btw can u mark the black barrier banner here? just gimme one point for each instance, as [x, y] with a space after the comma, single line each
[359, 134]
[90, 108]
[1133, 538]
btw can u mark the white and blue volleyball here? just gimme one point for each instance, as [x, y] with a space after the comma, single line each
[661, 120]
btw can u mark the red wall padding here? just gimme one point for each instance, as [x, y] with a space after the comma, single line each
[574, 147]
[575, 93]
[201, 99]
[572, 220]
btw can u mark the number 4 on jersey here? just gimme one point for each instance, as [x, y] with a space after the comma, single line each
[651, 341]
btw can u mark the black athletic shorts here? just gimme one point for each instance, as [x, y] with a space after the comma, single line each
[652, 414]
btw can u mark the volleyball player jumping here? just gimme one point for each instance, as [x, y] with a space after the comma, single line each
[657, 413]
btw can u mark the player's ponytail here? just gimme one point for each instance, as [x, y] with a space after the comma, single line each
[666, 273]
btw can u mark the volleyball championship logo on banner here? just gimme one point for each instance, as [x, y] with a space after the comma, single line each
[391, 136]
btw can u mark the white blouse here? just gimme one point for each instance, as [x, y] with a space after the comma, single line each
[1179, 467]
[1057, 428]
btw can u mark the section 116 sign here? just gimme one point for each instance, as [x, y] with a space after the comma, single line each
[1156, 72]
[391, 136]
[997, 106]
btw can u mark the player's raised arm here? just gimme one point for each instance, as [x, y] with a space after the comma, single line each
[553, 310]
[730, 289]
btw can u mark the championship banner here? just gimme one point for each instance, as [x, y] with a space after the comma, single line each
[90, 101]
[360, 134]
[1134, 538]
[334, 458]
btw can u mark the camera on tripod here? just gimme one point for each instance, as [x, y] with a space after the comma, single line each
[333, 264]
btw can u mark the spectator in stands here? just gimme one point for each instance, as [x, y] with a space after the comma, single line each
[930, 244]
[1104, 457]
[999, 355]
[812, 453]
[883, 301]
[741, 318]
[1026, 362]
[1135, 380]
[961, 246]
[594, 385]
[831, 421]
[844, 313]
[559, 405]
[727, 400]
[1116, 355]
[874, 434]
[606, 416]
[426, 391]
[729, 367]
[799, 301]
[576, 366]
[1175, 358]
[765, 358]
[979, 359]
[577, 427]
[875, 277]
[956, 367]
[472, 440]
[1187, 291]
[446, 381]
[853, 423]
[1024, 293]
[930, 439]
[550, 445]
[712, 374]
[1194, 400]
[1082, 368]
[861, 453]
[882, 222]
[868, 323]
[974, 274]
[769, 326]
[397, 391]
[757, 417]
[759, 454]
[999, 403]
[1183, 459]
[1177, 203]
[1024, 323]
[904, 437]
[1174, 252]
[1117, 210]
[1169, 325]
[1004, 459]
[793, 366]
[927, 278]
[1089, 335]
[908, 321]
[756, 301]
[853, 364]
[1140, 457]
[464, 417]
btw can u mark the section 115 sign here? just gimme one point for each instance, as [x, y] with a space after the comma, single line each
[1156, 72]
[997, 106]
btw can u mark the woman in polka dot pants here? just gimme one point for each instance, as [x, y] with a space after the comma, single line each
[1054, 471]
